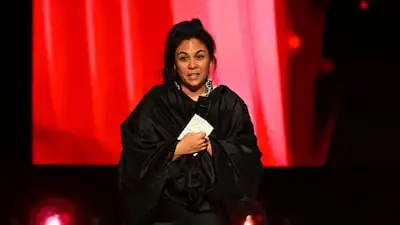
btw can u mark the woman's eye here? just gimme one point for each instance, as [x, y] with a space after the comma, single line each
[200, 56]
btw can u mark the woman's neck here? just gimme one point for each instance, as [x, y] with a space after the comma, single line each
[194, 94]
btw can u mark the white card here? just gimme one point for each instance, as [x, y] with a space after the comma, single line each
[195, 125]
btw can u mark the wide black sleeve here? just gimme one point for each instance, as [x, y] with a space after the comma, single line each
[237, 161]
[144, 162]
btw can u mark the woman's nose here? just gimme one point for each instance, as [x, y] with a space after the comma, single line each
[192, 64]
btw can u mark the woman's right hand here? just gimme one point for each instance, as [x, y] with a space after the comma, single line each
[191, 143]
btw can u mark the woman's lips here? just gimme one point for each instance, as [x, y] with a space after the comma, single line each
[193, 76]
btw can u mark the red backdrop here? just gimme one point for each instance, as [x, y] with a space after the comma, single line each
[93, 60]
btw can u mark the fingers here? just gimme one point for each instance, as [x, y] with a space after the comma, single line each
[204, 147]
[203, 141]
[200, 138]
[198, 135]
[201, 134]
[204, 144]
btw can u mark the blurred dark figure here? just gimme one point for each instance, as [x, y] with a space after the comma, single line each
[305, 19]
[362, 44]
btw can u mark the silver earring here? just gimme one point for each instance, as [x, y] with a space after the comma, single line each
[177, 85]
[209, 86]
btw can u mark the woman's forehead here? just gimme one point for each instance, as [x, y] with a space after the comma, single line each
[191, 46]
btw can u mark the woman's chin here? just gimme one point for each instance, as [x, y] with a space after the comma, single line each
[193, 85]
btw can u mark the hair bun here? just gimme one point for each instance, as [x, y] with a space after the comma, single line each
[197, 22]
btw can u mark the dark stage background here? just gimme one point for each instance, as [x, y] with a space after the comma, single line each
[355, 118]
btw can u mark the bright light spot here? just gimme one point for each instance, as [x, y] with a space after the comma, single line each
[294, 41]
[53, 220]
[53, 211]
[249, 220]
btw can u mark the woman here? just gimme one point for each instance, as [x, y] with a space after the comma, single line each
[199, 179]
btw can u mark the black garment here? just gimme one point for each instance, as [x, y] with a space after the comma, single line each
[192, 178]
[230, 176]
[172, 213]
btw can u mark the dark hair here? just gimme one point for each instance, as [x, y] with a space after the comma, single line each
[184, 30]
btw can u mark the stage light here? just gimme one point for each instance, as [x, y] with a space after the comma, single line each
[47, 216]
[53, 220]
[53, 212]
[294, 41]
[364, 5]
[249, 220]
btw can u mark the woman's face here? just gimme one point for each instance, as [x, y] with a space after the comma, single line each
[192, 62]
